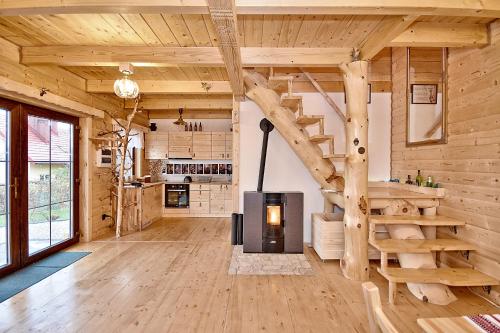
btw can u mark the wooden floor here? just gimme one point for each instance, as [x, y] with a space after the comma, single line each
[173, 277]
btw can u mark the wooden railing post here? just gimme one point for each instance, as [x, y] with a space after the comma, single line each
[354, 264]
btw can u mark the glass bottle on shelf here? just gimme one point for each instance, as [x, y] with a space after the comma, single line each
[200, 128]
[195, 127]
[409, 181]
[190, 127]
[186, 127]
[419, 180]
[429, 182]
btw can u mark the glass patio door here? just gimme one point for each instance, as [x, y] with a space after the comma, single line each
[38, 184]
[9, 187]
[50, 217]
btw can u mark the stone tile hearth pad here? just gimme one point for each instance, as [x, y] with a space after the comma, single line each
[268, 263]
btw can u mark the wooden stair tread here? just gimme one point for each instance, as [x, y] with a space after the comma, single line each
[320, 138]
[335, 157]
[426, 220]
[458, 277]
[291, 102]
[279, 82]
[420, 245]
[395, 193]
[308, 120]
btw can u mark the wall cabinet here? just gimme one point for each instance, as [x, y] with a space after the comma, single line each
[202, 145]
[180, 144]
[195, 145]
[222, 145]
[156, 146]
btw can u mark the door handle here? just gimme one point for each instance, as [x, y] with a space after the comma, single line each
[15, 186]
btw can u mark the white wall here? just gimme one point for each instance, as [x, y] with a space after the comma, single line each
[286, 172]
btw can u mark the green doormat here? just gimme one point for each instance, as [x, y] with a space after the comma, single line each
[36, 272]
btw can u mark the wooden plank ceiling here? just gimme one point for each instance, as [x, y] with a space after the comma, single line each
[197, 30]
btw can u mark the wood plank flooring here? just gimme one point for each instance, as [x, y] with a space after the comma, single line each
[173, 277]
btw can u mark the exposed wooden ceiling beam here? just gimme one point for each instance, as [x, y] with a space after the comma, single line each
[166, 87]
[140, 56]
[223, 14]
[427, 34]
[180, 56]
[187, 103]
[190, 114]
[480, 8]
[387, 30]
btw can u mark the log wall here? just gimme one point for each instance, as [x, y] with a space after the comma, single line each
[468, 166]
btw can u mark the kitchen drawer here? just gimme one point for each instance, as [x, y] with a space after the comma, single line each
[199, 187]
[199, 207]
[217, 187]
[217, 207]
[218, 136]
[195, 195]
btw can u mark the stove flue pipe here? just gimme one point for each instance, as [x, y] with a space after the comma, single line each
[266, 127]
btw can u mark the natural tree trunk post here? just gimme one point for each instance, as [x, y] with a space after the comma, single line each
[123, 151]
[354, 264]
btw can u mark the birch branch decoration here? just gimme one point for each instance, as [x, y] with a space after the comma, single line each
[122, 148]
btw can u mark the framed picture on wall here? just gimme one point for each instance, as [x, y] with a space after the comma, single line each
[185, 169]
[229, 169]
[369, 94]
[170, 169]
[199, 169]
[424, 93]
[177, 169]
[192, 169]
[215, 169]
[207, 170]
[222, 169]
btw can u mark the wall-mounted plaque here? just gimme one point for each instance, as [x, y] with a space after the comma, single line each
[424, 93]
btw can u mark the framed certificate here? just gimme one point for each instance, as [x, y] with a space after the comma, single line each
[424, 93]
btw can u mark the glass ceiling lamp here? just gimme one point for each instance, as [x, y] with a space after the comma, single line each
[125, 87]
[180, 121]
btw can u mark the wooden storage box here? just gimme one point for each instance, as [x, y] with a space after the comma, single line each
[328, 236]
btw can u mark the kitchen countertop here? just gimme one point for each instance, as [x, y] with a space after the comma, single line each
[202, 183]
[146, 185]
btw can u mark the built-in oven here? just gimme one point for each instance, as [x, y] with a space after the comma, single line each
[177, 195]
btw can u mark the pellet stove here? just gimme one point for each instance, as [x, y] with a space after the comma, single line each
[273, 221]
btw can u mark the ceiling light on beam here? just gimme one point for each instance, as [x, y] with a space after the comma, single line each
[125, 87]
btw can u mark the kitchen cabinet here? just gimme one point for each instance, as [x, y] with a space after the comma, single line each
[156, 145]
[208, 199]
[142, 206]
[180, 144]
[195, 145]
[199, 199]
[202, 145]
[222, 145]
[221, 199]
[229, 146]
[218, 145]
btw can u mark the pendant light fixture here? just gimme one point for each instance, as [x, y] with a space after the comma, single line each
[180, 121]
[125, 87]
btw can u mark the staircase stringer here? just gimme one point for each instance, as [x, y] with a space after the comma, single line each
[322, 170]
